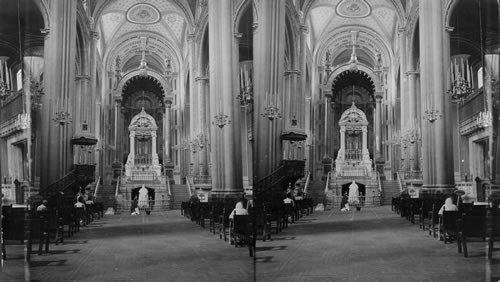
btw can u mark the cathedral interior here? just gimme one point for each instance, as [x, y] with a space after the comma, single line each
[194, 105]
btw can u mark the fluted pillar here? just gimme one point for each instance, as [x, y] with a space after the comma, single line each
[59, 78]
[226, 169]
[268, 43]
[437, 171]
[404, 102]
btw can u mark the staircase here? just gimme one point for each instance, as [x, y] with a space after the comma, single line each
[106, 195]
[390, 188]
[179, 194]
[316, 191]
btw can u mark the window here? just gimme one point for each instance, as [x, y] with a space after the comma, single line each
[19, 80]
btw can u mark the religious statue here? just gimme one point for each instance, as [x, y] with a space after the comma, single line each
[143, 196]
[353, 193]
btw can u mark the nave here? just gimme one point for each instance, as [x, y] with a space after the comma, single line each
[374, 244]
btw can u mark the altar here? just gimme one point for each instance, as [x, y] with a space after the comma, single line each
[353, 158]
[142, 162]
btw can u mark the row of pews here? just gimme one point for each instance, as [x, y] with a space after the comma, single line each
[245, 229]
[472, 223]
[22, 225]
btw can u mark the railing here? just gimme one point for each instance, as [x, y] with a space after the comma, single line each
[365, 201]
[117, 187]
[411, 175]
[97, 188]
[148, 205]
[359, 172]
[471, 124]
[269, 180]
[144, 176]
[202, 179]
[61, 184]
[188, 186]
[399, 182]
[327, 186]
[169, 189]
[379, 183]
[306, 185]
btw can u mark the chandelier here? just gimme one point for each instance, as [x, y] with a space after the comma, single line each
[431, 115]
[461, 80]
[221, 120]
[199, 142]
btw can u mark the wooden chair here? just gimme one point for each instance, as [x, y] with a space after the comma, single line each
[241, 232]
[433, 222]
[493, 231]
[472, 226]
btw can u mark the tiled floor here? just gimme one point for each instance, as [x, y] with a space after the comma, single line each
[370, 245]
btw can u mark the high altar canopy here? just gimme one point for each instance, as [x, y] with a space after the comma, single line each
[142, 161]
[353, 158]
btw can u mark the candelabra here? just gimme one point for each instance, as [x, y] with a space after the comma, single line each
[36, 94]
[460, 89]
[432, 115]
[62, 117]
[485, 118]
[199, 142]
[4, 90]
[221, 120]
[245, 96]
[271, 112]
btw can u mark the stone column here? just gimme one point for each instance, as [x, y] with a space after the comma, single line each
[59, 79]
[379, 158]
[202, 85]
[405, 119]
[268, 43]
[132, 148]
[412, 113]
[226, 171]
[364, 141]
[437, 171]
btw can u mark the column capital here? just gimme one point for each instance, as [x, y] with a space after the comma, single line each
[238, 35]
[95, 35]
[449, 29]
[304, 29]
[168, 100]
[45, 32]
[413, 72]
[402, 30]
[292, 72]
[201, 77]
[82, 77]
[328, 93]
[379, 96]
[191, 37]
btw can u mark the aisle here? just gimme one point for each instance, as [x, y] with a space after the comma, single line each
[373, 244]
[159, 247]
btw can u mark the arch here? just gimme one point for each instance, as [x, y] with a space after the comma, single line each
[42, 7]
[128, 76]
[240, 11]
[367, 33]
[116, 47]
[374, 78]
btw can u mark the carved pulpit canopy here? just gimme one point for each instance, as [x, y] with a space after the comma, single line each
[353, 117]
[143, 123]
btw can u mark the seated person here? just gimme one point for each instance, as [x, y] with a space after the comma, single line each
[43, 206]
[80, 203]
[238, 210]
[448, 206]
[289, 200]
